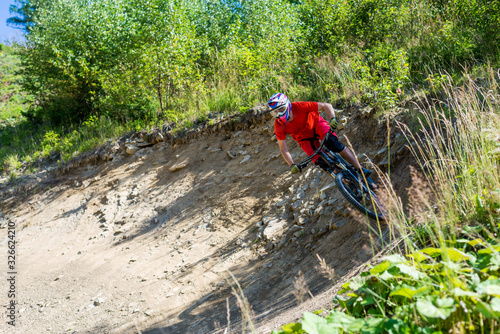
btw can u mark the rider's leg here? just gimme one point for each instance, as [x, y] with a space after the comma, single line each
[350, 158]
[335, 145]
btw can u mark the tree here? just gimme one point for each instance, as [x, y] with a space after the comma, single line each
[25, 13]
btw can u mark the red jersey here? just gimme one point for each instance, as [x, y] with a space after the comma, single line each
[305, 118]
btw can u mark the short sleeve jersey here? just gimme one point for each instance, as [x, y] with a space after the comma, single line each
[305, 117]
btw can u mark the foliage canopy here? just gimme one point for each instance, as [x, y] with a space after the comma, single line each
[132, 59]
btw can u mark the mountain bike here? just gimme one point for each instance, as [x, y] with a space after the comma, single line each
[353, 187]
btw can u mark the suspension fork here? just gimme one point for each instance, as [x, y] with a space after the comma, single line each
[345, 166]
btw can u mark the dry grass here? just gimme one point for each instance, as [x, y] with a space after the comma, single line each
[247, 314]
[457, 150]
[301, 289]
[326, 270]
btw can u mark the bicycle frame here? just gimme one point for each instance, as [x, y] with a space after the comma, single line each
[336, 165]
[337, 160]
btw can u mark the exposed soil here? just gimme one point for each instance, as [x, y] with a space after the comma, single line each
[146, 242]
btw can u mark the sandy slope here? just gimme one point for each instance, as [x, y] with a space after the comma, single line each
[133, 245]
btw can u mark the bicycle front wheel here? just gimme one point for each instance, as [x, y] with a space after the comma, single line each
[361, 196]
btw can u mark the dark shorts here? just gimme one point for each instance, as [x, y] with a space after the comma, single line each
[334, 144]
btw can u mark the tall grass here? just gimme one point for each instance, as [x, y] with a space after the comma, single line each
[458, 150]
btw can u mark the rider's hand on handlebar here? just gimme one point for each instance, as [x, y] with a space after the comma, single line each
[334, 123]
[294, 169]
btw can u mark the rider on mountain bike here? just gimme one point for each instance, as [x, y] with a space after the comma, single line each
[301, 120]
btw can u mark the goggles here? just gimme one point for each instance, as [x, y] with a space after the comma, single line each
[279, 112]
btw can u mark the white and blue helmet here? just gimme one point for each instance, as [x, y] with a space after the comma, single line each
[280, 106]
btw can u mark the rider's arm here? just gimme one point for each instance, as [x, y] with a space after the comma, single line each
[284, 152]
[327, 107]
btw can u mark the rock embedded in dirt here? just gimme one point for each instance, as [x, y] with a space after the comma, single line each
[295, 206]
[99, 301]
[300, 194]
[328, 186]
[300, 220]
[178, 166]
[245, 159]
[319, 211]
[132, 149]
[155, 137]
[213, 149]
[274, 228]
[366, 111]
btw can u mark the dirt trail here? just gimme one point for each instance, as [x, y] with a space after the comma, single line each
[144, 242]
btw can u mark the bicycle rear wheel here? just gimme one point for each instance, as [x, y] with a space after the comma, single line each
[361, 196]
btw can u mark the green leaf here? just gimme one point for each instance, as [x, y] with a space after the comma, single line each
[373, 326]
[432, 307]
[380, 268]
[357, 282]
[418, 256]
[489, 287]
[293, 328]
[347, 323]
[314, 324]
[490, 249]
[487, 310]
[495, 261]
[407, 291]
[386, 276]
[410, 271]
[495, 304]
[493, 290]
[456, 255]
[395, 258]
[431, 251]
[397, 326]
[462, 293]
[476, 242]
[452, 265]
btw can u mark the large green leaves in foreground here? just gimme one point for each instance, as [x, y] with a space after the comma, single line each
[436, 289]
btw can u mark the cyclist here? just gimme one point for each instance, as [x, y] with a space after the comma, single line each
[301, 120]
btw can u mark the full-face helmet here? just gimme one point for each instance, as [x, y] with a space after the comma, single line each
[280, 106]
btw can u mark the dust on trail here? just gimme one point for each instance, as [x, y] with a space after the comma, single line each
[145, 242]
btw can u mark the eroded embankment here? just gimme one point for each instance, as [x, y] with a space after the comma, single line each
[143, 241]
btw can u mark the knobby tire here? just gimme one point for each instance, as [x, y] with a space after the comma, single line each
[357, 197]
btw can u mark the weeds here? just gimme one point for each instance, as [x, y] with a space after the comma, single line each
[301, 289]
[244, 306]
[326, 270]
